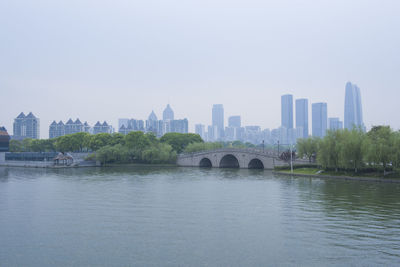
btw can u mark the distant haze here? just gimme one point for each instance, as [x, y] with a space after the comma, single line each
[104, 60]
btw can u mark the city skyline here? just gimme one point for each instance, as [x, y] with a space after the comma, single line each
[276, 47]
[167, 110]
[285, 134]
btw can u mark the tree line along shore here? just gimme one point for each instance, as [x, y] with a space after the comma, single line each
[340, 152]
[352, 152]
[134, 147]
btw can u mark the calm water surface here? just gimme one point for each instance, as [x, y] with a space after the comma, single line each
[136, 216]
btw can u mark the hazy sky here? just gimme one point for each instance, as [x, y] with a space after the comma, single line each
[103, 60]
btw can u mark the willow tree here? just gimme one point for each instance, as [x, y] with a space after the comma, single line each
[379, 146]
[352, 149]
[308, 147]
[330, 149]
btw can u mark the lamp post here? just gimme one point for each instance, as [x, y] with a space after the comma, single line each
[291, 159]
[278, 148]
[263, 146]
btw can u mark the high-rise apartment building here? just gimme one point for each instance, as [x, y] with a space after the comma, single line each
[218, 119]
[26, 126]
[102, 128]
[353, 114]
[70, 127]
[287, 111]
[302, 117]
[319, 119]
[179, 126]
[200, 129]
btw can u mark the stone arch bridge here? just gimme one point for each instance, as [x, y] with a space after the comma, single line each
[231, 158]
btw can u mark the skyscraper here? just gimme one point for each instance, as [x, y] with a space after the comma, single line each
[179, 126]
[26, 126]
[302, 116]
[218, 119]
[168, 113]
[353, 115]
[335, 124]
[287, 111]
[234, 121]
[152, 123]
[319, 119]
[200, 129]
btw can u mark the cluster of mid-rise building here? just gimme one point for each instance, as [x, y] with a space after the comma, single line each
[168, 124]
[71, 127]
[28, 126]
[233, 132]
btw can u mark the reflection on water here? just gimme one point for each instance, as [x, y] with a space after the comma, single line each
[152, 216]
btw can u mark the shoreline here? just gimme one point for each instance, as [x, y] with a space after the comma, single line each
[353, 178]
[91, 166]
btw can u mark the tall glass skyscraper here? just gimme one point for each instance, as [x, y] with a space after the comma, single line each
[353, 115]
[287, 111]
[302, 116]
[218, 119]
[319, 119]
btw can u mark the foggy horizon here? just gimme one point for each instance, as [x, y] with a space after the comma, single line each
[105, 60]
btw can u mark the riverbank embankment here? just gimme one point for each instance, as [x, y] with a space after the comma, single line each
[342, 177]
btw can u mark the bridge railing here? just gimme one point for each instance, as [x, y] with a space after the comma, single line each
[265, 152]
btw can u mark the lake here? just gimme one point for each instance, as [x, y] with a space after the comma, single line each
[170, 216]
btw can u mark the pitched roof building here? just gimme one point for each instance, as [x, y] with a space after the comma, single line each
[26, 126]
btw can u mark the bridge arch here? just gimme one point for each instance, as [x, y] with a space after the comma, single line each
[256, 164]
[229, 161]
[205, 163]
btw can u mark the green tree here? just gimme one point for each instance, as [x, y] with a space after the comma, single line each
[160, 153]
[42, 145]
[15, 145]
[152, 138]
[110, 154]
[180, 141]
[64, 144]
[26, 145]
[379, 146]
[352, 148]
[238, 144]
[194, 147]
[396, 149]
[99, 140]
[308, 147]
[117, 138]
[137, 140]
[329, 150]
[79, 141]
